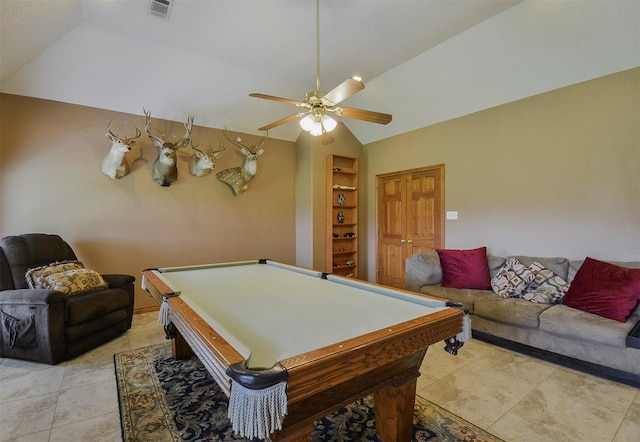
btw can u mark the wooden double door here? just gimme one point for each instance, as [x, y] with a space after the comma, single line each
[410, 219]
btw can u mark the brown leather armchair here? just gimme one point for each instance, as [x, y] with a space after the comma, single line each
[51, 326]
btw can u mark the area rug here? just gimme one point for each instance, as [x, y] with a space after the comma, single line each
[162, 399]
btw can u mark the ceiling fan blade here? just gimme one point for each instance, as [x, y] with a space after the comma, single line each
[326, 138]
[365, 115]
[342, 91]
[280, 122]
[282, 100]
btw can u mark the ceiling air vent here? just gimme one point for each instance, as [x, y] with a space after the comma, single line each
[161, 8]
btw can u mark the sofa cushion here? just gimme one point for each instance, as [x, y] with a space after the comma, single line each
[558, 265]
[568, 322]
[512, 311]
[546, 287]
[35, 276]
[425, 268]
[468, 297]
[495, 264]
[604, 289]
[466, 269]
[512, 279]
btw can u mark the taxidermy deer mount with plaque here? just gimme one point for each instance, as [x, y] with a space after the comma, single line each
[238, 178]
[165, 170]
[115, 164]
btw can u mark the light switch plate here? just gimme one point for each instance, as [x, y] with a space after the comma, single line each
[452, 214]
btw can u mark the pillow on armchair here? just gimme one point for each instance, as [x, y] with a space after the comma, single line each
[36, 275]
[74, 281]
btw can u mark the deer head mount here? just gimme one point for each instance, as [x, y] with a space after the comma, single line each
[201, 163]
[238, 178]
[165, 170]
[115, 164]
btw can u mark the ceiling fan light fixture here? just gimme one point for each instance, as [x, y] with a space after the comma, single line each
[316, 122]
[307, 123]
[328, 123]
[316, 125]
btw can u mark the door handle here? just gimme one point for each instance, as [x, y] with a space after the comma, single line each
[402, 241]
[409, 241]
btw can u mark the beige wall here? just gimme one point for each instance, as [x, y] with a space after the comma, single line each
[554, 174]
[557, 174]
[51, 181]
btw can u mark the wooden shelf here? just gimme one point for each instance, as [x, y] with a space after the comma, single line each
[342, 204]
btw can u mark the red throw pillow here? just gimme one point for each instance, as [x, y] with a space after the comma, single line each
[604, 289]
[465, 269]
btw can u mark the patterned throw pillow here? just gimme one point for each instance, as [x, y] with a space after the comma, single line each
[35, 275]
[75, 281]
[546, 287]
[511, 279]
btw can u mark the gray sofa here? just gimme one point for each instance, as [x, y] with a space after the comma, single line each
[564, 334]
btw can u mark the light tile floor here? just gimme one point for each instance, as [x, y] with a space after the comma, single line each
[515, 397]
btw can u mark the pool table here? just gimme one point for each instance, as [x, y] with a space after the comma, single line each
[329, 340]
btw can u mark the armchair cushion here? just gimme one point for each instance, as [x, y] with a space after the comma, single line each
[91, 305]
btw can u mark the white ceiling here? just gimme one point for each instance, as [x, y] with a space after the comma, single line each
[423, 61]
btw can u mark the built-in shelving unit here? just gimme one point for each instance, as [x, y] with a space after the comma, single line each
[342, 215]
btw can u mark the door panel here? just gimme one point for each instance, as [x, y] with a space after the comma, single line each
[410, 210]
[424, 219]
[391, 213]
[391, 256]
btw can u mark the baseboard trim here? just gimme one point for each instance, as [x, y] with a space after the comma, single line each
[146, 309]
[586, 367]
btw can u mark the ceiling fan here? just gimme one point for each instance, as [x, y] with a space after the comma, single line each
[317, 104]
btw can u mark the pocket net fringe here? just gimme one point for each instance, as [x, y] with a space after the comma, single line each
[465, 334]
[257, 413]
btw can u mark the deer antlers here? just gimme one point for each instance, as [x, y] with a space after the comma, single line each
[238, 141]
[125, 140]
[159, 142]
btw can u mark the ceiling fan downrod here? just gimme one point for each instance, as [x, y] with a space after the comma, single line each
[317, 45]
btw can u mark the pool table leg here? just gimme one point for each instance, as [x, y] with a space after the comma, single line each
[394, 405]
[179, 347]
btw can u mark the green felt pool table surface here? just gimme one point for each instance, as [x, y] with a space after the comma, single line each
[337, 338]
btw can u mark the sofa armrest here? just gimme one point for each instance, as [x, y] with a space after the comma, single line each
[31, 296]
[421, 270]
[117, 280]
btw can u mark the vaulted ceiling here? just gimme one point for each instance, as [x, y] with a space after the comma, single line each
[424, 61]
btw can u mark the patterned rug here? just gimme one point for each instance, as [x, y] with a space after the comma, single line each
[166, 400]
